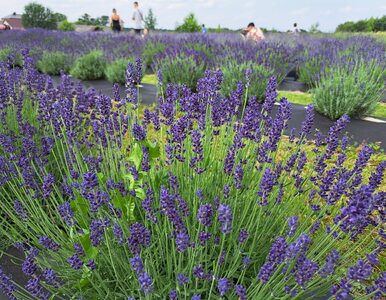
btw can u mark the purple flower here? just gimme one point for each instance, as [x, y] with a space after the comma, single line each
[226, 191]
[380, 283]
[331, 263]
[225, 218]
[97, 231]
[292, 225]
[139, 133]
[47, 243]
[238, 176]
[204, 214]
[182, 279]
[268, 180]
[373, 258]
[246, 261]
[134, 172]
[173, 295]
[243, 236]
[6, 285]
[203, 237]
[241, 292]
[90, 180]
[91, 264]
[21, 211]
[75, 262]
[196, 297]
[276, 256]
[66, 213]
[198, 272]
[304, 270]
[29, 266]
[308, 121]
[139, 236]
[146, 283]
[79, 249]
[33, 287]
[223, 286]
[168, 208]
[118, 233]
[137, 265]
[50, 277]
[146, 205]
[342, 291]
[361, 271]
[48, 184]
[145, 164]
[182, 241]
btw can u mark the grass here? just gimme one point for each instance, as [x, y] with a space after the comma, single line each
[150, 79]
[293, 97]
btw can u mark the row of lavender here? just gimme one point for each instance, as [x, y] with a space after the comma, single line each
[347, 76]
[186, 201]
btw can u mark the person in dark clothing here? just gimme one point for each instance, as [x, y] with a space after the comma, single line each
[115, 21]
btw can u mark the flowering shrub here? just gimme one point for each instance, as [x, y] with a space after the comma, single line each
[257, 77]
[116, 71]
[354, 89]
[53, 63]
[213, 206]
[90, 66]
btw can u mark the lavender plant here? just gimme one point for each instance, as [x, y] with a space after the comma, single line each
[188, 201]
[53, 63]
[91, 66]
[354, 89]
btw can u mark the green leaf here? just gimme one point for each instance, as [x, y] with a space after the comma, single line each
[136, 155]
[90, 251]
[81, 206]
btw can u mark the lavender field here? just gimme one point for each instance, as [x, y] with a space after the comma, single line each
[202, 195]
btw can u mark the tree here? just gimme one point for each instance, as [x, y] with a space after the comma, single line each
[86, 19]
[60, 17]
[190, 24]
[150, 20]
[37, 16]
[314, 28]
[66, 26]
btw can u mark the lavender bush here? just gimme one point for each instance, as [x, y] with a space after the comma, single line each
[186, 201]
[354, 89]
[90, 66]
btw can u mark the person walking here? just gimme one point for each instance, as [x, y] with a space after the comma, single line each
[115, 21]
[137, 18]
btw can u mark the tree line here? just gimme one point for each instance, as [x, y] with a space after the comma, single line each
[367, 25]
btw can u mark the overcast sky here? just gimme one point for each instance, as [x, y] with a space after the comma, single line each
[279, 14]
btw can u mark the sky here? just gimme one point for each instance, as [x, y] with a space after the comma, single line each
[278, 14]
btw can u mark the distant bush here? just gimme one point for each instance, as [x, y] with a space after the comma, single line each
[151, 50]
[190, 24]
[182, 69]
[66, 26]
[372, 24]
[116, 71]
[235, 72]
[53, 63]
[353, 90]
[90, 66]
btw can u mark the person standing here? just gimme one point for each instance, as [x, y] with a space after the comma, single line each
[115, 21]
[296, 29]
[204, 30]
[137, 18]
